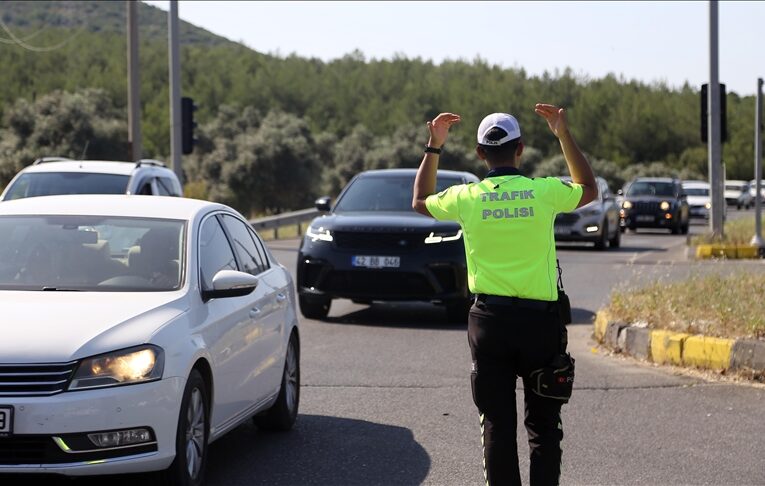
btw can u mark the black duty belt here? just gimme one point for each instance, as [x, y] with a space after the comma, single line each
[542, 305]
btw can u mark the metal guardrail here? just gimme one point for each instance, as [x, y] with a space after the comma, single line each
[285, 219]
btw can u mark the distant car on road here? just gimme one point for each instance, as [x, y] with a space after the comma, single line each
[372, 246]
[699, 199]
[655, 202]
[737, 194]
[596, 222]
[51, 176]
[137, 330]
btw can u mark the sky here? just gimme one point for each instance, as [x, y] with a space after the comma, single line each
[666, 42]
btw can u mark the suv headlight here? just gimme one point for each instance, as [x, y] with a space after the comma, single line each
[127, 366]
[443, 236]
[626, 204]
[665, 205]
[319, 234]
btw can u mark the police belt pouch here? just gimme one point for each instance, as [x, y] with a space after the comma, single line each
[556, 380]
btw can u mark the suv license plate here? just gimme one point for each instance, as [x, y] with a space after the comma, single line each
[645, 217]
[562, 230]
[6, 421]
[369, 261]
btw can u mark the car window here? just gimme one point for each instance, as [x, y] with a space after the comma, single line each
[645, 188]
[215, 252]
[145, 188]
[244, 246]
[261, 248]
[164, 186]
[388, 193]
[90, 253]
[696, 191]
[54, 183]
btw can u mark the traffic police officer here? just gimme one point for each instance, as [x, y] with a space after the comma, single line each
[514, 326]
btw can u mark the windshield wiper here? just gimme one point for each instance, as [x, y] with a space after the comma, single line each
[60, 289]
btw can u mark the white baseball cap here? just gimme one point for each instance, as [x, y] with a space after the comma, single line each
[504, 121]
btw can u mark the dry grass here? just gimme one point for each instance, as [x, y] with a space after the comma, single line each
[737, 232]
[731, 306]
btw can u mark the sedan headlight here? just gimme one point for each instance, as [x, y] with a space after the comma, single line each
[134, 365]
[441, 237]
[626, 204]
[319, 234]
[665, 205]
[708, 205]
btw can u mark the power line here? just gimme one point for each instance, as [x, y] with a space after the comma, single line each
[21, 42]
[3, 40]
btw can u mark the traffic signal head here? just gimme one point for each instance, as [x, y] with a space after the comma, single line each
[187, 125]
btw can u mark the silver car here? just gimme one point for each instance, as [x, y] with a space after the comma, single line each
[596, 222]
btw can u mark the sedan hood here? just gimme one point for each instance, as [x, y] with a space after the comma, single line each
[55, 327]
[377, 221]
[698, 200]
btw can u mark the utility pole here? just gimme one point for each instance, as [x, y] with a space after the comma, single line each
[175, 90]
[713, 123]
[757, 239]
[135, 151]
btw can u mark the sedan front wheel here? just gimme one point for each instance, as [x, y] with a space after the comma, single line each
[188, 468]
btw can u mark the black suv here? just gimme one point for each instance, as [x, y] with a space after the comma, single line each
[372, 246]
[655, 202]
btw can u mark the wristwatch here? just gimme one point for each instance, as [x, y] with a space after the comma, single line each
[432, 150]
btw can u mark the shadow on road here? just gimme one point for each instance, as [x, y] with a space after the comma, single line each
[319, 450]
[406, 315]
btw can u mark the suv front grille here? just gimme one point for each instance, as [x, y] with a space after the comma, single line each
[646, 207]
[378, 241]
[34, 379]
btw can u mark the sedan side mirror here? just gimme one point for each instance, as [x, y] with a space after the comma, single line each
[620, 192]
[323, 203]
[230, 283]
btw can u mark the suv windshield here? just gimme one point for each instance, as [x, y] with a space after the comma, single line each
[735, 187]
[90, 253]
[389, 193]
[645, 188]
[54, 183]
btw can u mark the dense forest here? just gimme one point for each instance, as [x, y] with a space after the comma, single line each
[264, 119]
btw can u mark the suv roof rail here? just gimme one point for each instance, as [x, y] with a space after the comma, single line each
[154, 162]
[43, 160]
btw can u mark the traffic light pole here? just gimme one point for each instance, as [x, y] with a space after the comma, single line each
[716, 181]
[175, 90]
[757, 239]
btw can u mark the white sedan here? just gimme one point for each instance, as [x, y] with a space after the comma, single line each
[135, 331]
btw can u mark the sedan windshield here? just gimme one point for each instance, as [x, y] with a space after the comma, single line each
[696, 191]
[390, 193]
[644, 188]
[90, 253]
[56, 183]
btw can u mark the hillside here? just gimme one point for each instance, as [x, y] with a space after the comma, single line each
[345, 115]
[96, 16]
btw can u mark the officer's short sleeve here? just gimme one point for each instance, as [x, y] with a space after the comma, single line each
[564, 196]
[444, 206]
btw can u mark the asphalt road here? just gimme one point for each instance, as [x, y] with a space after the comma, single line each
[386, 400]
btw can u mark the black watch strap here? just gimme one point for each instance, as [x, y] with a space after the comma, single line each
[432, 150]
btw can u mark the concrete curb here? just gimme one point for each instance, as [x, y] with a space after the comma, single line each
[680, 349]
[728, 251]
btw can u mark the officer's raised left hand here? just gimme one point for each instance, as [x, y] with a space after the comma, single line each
[439, 128]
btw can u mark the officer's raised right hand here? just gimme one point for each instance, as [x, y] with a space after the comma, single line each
[555, 116]
[439, 128]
